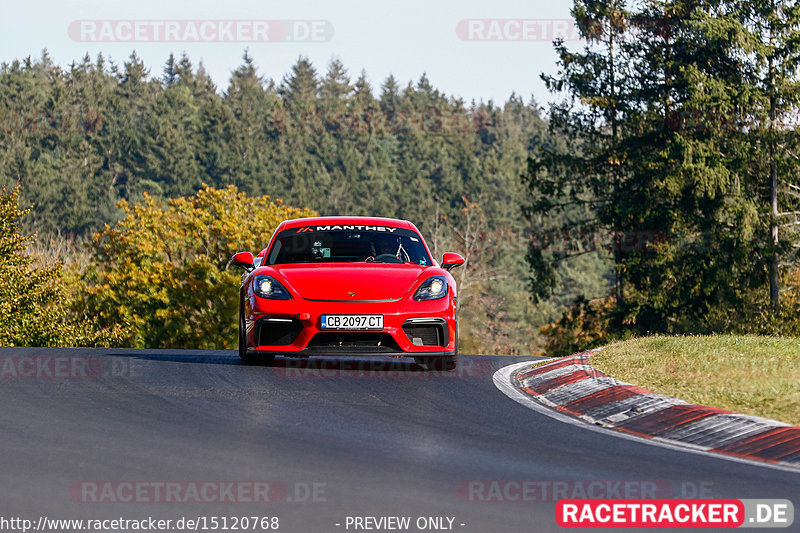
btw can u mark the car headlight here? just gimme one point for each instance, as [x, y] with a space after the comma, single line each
[269, 287]
[432, 289]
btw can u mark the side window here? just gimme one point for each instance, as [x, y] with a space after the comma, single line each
[276, 249]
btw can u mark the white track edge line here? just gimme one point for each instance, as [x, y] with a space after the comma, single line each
[502, 380]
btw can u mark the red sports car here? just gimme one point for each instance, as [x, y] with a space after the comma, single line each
[348, 286]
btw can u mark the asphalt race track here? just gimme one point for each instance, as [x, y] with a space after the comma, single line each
[331, 440]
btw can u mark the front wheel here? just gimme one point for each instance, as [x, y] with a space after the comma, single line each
[444, 363]
[441, 364]
[250, 358]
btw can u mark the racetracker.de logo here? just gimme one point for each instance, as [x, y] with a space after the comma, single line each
[535, 30]
[200, 31]
[674, 513]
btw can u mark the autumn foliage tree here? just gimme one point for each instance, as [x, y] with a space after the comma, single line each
[24, 298]
[37, 300]
[163, 268]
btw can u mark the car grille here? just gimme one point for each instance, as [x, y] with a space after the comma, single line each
[277, 331]
[426, 332]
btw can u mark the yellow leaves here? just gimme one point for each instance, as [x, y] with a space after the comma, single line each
[35, 296]
[162, 268]
[212, 224]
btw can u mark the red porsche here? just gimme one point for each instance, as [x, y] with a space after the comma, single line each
[348, 286]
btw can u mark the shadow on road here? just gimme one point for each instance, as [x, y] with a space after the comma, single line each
[317, 366]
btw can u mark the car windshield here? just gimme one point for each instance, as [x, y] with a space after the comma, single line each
[371, 244]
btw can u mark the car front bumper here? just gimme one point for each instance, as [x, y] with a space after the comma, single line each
[293, 328]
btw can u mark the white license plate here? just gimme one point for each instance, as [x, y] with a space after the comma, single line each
[352, 322]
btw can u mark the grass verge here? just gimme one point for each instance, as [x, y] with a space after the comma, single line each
[746, 374]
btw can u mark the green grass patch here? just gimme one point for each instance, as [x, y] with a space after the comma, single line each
[746, 374]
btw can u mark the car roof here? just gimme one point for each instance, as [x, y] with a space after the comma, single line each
[358, 221]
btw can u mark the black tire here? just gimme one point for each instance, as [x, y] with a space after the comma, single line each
[444, 363]
[250, 358]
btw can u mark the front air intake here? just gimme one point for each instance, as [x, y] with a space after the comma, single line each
[426, 332]
[277, 331]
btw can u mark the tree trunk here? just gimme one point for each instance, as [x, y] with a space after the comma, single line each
[774, 287]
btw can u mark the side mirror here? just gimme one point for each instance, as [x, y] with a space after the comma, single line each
[451, 260]
[244, 260]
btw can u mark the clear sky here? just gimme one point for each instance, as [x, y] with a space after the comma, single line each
[455, 42]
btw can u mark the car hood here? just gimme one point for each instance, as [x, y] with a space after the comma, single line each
[338, 281]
